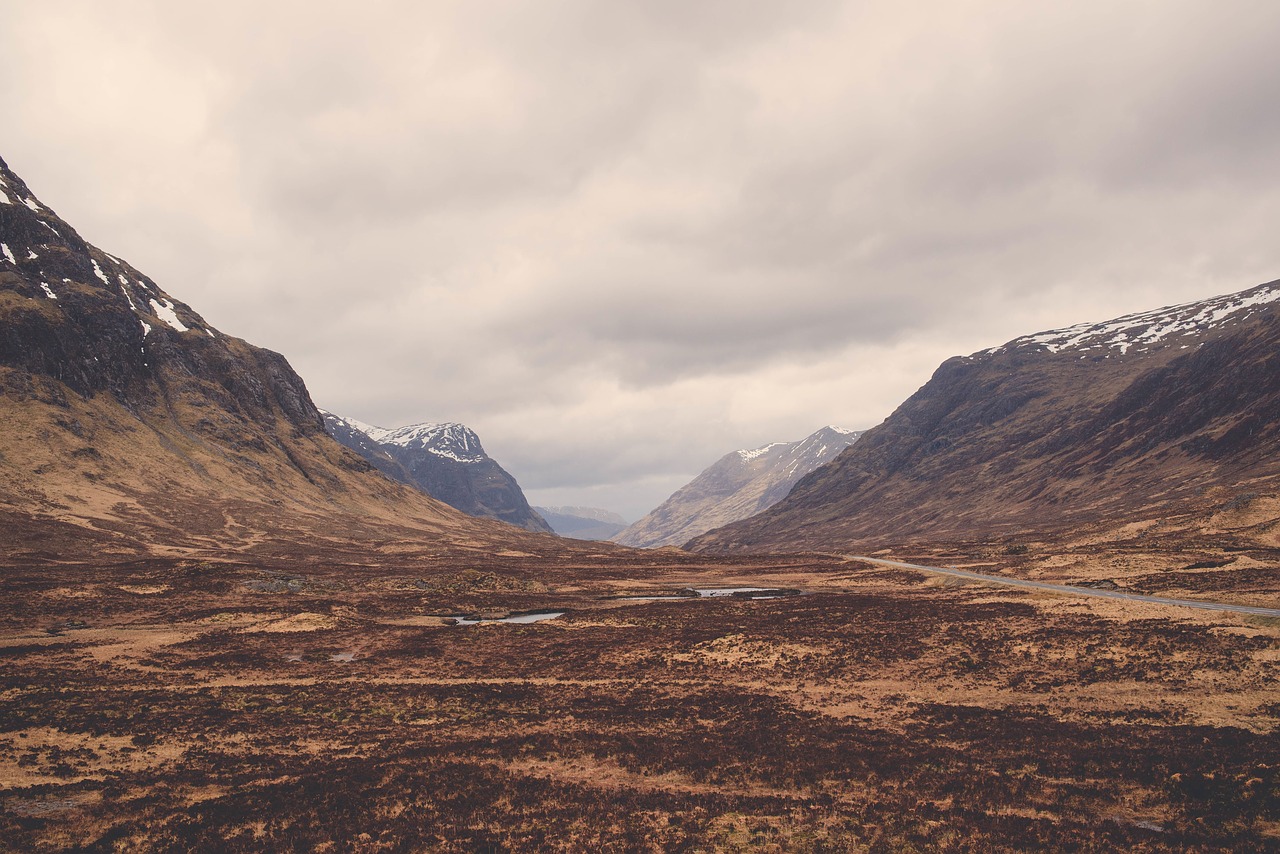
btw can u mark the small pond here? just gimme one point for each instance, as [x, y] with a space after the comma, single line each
[719, 593]
[514, 618]
[741, 592]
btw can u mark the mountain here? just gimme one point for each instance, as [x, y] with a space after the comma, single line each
[444, 460]
[1172, 411]
[738, 485]
[583, 523]
[130, 426]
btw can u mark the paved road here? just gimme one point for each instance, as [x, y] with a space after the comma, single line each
[1075, 591]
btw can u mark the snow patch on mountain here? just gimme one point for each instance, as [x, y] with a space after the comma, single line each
[349, 423]
[446, 439]
[1141, 331]
[166, 313]
[749, 455]
[805, 448]
[8, 254]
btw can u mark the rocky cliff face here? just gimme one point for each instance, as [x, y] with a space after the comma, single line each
[129, 425]
[447, 462]
[1165, 412]
[738, 485]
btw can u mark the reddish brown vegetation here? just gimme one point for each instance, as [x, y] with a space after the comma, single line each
[177, 706]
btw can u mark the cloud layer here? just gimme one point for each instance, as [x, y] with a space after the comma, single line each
[622, 239]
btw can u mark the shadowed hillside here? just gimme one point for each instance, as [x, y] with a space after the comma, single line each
[1168, 412]
[129, 425]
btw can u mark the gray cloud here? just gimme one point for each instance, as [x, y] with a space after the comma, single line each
[622, 239]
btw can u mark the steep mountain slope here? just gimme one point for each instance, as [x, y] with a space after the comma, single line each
[128, 425]
[447, 462]
[738, 485]
[583, 523]
[1165, 412]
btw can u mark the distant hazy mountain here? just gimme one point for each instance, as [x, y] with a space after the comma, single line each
[444, 460]
[582, 523]
[740, 484]
[1170, 411]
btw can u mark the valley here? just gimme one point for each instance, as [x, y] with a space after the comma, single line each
[223, 628]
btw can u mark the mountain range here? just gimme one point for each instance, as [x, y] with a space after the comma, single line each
[444, 460]
[583, 523]
[738, 485]
[131, 426]
[1165, 412]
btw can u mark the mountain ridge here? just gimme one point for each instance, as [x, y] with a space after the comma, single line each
[131, 426]
[1158, 412]
[583, 523]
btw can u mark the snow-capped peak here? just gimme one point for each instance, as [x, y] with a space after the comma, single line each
[1141, 331]
[445, 439]
[814, 444]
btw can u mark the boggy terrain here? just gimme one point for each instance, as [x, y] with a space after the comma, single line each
[180, 705]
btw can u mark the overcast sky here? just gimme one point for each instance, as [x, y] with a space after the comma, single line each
[620, 239]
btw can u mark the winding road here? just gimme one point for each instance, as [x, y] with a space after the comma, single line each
[1075, 591]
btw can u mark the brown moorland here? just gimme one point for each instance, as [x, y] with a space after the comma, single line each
[294, 704]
